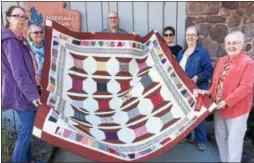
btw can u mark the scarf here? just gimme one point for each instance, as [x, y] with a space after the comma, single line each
[20, 37]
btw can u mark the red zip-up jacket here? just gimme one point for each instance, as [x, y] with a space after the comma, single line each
[237, 89]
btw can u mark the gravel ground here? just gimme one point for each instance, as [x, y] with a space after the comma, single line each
[41, 150]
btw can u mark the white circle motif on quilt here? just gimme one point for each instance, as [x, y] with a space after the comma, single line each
[112, 66]
[137, 90]
[135, 80]
[68, 111]
[145, 106]
[165, 94]
[69, 61]
[154, 125]
[155, 75]
[67, 81]
[93, 119]
[89, 85]
[113, 86]
[121, 117]
[115, 103]
[91, 104]
[133, 67]
[90, 65]
[98, 134]
[126, 135]
[149, 61]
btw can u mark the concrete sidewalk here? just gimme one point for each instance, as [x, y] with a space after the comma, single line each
[180, 153]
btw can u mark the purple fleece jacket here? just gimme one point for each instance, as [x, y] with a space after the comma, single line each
[18, 83]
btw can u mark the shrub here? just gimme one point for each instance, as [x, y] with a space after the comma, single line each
[8, 138]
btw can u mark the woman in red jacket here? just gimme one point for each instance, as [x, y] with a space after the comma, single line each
[232, 90]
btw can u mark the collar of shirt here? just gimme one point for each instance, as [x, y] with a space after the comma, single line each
[235, 59]
[197, 48]
[40, 46]
[18, 35]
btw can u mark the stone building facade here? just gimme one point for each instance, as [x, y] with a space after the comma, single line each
[215, 19]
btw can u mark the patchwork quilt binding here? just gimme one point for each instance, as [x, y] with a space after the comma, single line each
[114, 98]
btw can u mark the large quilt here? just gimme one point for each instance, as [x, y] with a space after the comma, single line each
[114, 97]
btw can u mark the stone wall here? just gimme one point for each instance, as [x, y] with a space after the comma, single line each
[215, 19]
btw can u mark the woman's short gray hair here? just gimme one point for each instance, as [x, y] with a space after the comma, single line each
[238, 34]
[30, 30]
[193, 27]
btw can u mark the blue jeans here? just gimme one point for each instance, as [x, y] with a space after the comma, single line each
[200, 134]
[22, 151]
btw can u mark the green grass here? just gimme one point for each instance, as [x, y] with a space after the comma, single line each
[8, 138]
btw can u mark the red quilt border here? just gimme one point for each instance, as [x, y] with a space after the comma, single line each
[88, 153]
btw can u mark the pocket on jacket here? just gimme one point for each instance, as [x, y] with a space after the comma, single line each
[20, 97]
[196, 66]
[196, 60]
[7, 92]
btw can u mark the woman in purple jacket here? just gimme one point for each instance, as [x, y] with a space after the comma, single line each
[19, 90]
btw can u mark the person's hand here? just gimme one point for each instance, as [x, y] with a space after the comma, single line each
[206, 92]
[221, 105]
[202, 91]
[37, 102]
[195, 79]
[93, 31]
[133, 33]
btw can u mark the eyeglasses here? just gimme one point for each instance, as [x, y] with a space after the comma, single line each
[19, 17]
[191, 35]
[113, 17]
[170, 34]
[38, 32]
[234, 43]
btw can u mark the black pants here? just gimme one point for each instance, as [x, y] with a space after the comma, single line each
[39, 89]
